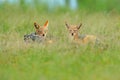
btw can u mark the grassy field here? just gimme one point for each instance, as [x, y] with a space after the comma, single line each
[61, 60]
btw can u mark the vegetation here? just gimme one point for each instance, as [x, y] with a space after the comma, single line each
[60, 60]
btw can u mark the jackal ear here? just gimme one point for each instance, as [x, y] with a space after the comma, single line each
[78, 27]
[46, 24]
[67, 25]
[36, 25]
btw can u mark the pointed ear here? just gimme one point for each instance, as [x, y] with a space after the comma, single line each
[46, 24]
[66, 24]
[78, 27]
[36, 25]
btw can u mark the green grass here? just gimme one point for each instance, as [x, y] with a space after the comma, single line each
[61, 60]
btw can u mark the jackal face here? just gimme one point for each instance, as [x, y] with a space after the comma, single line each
[41, 30]
[73, 29]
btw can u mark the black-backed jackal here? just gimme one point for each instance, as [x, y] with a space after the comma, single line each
[39, 35]
[80, 38]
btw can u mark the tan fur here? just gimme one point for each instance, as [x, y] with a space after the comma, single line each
[74, 34]
[89, 38]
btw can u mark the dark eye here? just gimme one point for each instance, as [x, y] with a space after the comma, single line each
[75, 30]
[70, 30]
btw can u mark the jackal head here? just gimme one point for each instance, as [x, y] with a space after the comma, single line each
[41, 30]
[73, 29]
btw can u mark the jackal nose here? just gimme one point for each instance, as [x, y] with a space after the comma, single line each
[72, 34]
[43, 34]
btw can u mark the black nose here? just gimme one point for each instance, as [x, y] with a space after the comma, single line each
[72, 34]
[43, 34]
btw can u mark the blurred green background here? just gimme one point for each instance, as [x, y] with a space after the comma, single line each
[53, 5]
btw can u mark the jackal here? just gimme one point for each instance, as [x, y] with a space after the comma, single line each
[80, 38]
[39, 35]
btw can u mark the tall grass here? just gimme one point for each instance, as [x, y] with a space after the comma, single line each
[60, 60]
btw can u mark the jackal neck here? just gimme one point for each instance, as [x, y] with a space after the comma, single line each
[79, 36]
[76, 37]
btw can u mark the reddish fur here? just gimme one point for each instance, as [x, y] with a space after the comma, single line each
[41, 30]
[46, 24]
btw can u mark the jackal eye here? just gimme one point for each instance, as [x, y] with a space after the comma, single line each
[39, 31]
[70, 30]
[75, 30]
